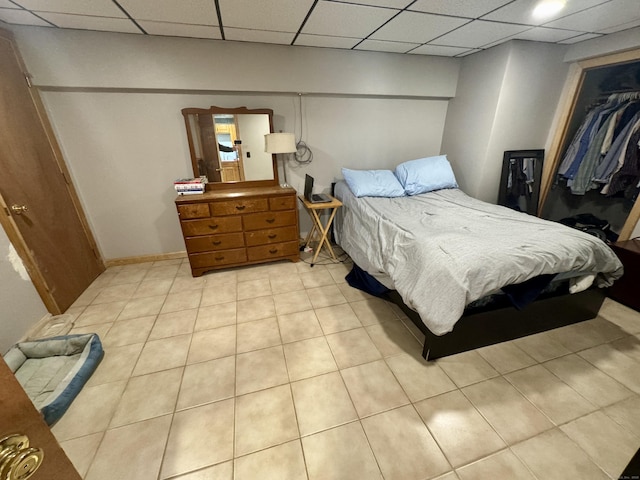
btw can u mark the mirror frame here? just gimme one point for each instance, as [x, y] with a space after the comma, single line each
[230, 111]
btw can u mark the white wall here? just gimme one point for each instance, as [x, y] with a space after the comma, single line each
[20, 304]
[597, 47]
[120, 128]
[506, 100]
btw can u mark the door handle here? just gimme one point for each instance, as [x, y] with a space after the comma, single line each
[19, 209]
[17, 460]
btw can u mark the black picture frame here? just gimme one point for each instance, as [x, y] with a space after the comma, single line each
[523, 191]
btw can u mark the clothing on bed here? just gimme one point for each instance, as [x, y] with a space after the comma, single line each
[442, 250]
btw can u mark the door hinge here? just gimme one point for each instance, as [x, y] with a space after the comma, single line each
[27, 77]
[66, 180]
[7, 211]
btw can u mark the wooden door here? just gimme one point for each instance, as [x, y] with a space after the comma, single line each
[19, 416]
[209, 148]
[39, 207]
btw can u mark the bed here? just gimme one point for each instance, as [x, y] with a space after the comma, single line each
[446, 257]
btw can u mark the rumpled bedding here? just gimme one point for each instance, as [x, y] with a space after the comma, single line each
[444, 249]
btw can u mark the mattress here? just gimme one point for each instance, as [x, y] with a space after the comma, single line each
[444, 250]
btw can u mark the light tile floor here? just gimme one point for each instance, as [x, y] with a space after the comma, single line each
[283, 371]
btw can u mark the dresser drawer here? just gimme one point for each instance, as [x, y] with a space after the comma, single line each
[191, 228]
[207, 243]
[261, 221]
[233, 207]
[273, 235]
[282, 203]
[213, 259]
[274, 250]
[194, 210]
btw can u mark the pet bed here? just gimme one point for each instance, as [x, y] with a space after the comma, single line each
[53, 370]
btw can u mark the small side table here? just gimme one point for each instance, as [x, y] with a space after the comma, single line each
[625, 289]
[313, 210]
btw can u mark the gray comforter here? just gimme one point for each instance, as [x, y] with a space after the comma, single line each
[442, 250]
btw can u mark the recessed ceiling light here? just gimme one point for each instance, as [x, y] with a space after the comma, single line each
[547, 8]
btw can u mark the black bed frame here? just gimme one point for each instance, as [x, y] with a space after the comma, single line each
[490, 326]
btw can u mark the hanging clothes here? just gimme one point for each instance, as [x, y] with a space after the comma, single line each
[604, 148]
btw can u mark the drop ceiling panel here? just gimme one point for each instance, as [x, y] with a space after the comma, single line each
[346, 20]
[259, 36]
[521, 11]
[21, 17]
[580, 38]
[277, 15]
[400, 4]
[459, 8]
[623, 26]
[542, 34]
[383, 46]
[325, 41]
[99, 8]
[479, 33]
[180, 29]
[601, 17]
[83, 22]
[414, 27]
[7, 4]
[438, 50]
[199, 12]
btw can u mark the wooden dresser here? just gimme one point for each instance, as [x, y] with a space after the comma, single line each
[243, 226]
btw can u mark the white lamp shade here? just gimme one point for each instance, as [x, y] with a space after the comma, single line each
[280, 143]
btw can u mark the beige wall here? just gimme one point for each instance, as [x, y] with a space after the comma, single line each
[506, 100]
[20, 304]
[115, 100]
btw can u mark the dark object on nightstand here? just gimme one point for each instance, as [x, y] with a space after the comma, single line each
[625, 289]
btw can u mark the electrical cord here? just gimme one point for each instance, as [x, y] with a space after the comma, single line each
[303, 154]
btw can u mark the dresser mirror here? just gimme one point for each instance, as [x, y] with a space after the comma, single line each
[227, 146]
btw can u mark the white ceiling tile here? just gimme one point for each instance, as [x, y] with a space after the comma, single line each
[622, 26]
[276, 15]
[325, 41]
[180, 29]
[260, 36]
[346, 20]
[439, 50]
[521, 11]
[543, 34]
[198, 12]
[379, 3]
[601, 17]
[415, 27]
[479, 33]
[7, 4]
[469, 52]
[83, 22]
[384, 46]
[21, 17]
[458, 8]
[580, 38]
[99, 8]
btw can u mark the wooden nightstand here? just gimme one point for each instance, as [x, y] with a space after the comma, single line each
[625, 290]
[322, 230]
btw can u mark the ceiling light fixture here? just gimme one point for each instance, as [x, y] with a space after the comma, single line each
[548, 8]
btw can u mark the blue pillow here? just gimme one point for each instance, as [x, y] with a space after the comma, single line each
[426, 175]
[373, 183]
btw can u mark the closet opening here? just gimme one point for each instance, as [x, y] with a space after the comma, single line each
[596, 177]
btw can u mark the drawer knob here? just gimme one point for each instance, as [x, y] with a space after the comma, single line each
[273, 250]
[271, 220]
[272, 236]
[240, 207]
[219, 258]
[217, 242]
[213, 227]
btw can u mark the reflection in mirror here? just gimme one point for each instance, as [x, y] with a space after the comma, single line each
[227, 145]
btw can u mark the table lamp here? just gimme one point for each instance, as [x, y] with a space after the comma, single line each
[275, 143]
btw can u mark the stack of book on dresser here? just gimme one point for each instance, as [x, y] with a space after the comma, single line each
[190, 186]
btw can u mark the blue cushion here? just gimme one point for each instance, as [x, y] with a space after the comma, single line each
[373, 183]
[426, 174]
